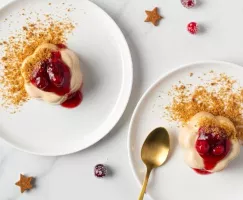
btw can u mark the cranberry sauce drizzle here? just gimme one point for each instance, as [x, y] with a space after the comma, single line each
[212, 146]
[53, 75]
[73, 100]
[202, 171]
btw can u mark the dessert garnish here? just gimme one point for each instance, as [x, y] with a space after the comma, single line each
[52, 73]
[209, 142]
[100, 171]
[217, 94]
[192, 28]
[212, 145]
[188, 3]
[24, 183]
[21, 45]
[210, 119]
[153, 16]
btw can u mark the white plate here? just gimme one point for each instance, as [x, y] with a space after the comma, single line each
[175, 180]
[52, 130]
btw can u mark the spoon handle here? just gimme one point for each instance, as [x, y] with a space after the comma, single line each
[145, 183]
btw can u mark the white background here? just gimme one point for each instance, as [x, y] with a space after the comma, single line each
[155, 50]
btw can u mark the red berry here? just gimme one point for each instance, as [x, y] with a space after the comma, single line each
[42, 68]
[39, 76]
[41, 82]
[100, 171]
[58, 80]
[202, 146]
[40, 71]
[55, 73]
[218, 150]
[192, 28]
[188, 3]
[52, 67]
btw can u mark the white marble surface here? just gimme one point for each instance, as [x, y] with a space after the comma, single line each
[155, 50]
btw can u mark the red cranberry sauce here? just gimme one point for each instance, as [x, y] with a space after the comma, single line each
[53, 75]
[212, 145]
[73, 100]
[202, 171]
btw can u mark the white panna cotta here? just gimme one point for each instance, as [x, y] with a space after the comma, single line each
[209, 142]
[53, 79]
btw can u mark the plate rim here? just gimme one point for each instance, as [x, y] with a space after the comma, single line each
[152, 86]
[122, 99]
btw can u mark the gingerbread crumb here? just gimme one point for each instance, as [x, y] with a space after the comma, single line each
[33, 62]
[212, 126]
[221, 96]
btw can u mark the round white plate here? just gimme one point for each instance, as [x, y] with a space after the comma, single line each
[175, 180]
[53, 130]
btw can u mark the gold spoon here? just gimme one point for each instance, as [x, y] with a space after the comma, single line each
[154, 153]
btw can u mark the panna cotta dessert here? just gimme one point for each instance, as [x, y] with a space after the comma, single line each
[53, 74]
[209, 142]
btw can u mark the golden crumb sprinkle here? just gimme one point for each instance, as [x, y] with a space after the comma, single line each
[221, 96]
[33, 62]
[20, 46]
[214, 127]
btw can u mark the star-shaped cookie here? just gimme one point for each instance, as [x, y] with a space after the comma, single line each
[24, 183]
[153, 16]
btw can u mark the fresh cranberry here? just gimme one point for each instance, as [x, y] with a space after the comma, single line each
[55, 73]
[41, 82]
[192, 27]
[188, 3]
[202, 147]
[100, 171]
[218, 150]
